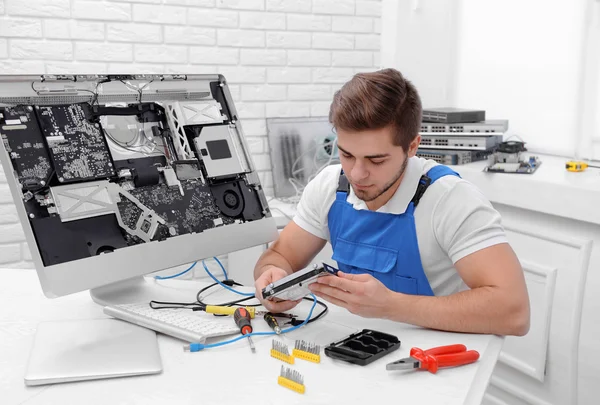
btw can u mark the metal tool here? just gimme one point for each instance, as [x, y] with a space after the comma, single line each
[437, 357]
[280, 347]
[272, 322]
[576, 166]
[242, 320]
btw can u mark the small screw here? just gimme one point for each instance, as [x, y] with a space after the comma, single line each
[31, 216]
[61, 179]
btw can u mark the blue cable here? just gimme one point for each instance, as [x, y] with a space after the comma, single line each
[176, 275]
[195, 347]
[223, 285]
[222, 268]
[191, 267]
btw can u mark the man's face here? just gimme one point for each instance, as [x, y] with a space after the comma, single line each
[372, 163]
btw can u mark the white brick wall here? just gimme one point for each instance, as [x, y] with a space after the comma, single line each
[282, 58]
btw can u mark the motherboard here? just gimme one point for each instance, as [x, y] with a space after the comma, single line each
[97, 177]
[77, 146]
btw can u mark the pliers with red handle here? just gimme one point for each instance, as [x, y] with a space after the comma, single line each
[432, 359]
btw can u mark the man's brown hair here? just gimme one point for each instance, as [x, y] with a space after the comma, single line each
[376, 100]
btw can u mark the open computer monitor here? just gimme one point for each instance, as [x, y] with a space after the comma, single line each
[118, 176]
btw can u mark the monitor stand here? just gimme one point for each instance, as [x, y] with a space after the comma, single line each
[145, 289]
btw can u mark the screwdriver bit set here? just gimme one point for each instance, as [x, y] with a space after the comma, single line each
[281, 352]
[307, 351]
[303, 350]
[291, 379]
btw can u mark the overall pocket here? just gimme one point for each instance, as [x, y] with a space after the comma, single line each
[359, 258]
[406, 285]
[380, 262]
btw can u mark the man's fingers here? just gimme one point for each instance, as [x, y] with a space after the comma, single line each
[354, 277]
[343, 283]
[258, 292]
[277, 307]
[332, 300]
[333, 292]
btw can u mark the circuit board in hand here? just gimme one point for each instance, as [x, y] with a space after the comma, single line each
[77, 146]
[26, 146]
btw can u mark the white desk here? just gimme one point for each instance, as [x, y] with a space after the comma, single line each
[204, 377]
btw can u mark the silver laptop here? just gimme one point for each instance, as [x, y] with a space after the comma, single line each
[91, 349]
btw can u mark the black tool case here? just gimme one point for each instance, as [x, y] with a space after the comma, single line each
[363, 347]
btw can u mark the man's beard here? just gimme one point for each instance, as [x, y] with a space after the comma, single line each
[370, 195]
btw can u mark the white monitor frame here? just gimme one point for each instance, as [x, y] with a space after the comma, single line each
[104, 272]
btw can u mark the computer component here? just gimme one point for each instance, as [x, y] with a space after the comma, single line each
[181, 114]
[508, 159]
[459, 142]
[295, 285]
[118, 176]
[221, 152]
[484, 127]
[454, 157]
[452, 115]
[78, 149]
[90, 349]
[179, 323]
[299, 148]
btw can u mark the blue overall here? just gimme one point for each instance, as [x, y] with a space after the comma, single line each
[381, 244]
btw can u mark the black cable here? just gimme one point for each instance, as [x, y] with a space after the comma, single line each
[194, 306]
[200, 305]
[295, 321]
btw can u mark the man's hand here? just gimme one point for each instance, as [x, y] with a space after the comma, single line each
[361, 294]
[272, 274]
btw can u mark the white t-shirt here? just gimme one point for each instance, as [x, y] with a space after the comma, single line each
[453, 219]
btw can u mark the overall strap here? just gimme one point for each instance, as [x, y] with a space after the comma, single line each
[440, 171]
[343, 187]
[343, 184]
[427, 179]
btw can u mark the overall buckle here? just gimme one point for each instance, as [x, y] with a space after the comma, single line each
[424, 182]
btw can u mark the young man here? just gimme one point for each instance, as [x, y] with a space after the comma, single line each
[413, 241]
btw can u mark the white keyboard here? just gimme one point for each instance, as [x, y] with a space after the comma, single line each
[179, 323]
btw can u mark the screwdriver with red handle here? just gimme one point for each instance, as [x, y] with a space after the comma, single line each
[432, 359]
[241, 316]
